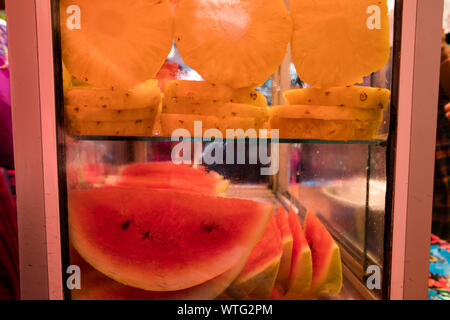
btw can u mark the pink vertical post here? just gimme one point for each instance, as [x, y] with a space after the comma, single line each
[32, 93]
[416, 141]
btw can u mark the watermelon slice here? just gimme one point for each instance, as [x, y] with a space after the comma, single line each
[301, 266]
[163, 240]
[96, 286]
[327, 274]
[259, 274]
[167, 175]
[163, 168]
[277, 293]
[287, 243]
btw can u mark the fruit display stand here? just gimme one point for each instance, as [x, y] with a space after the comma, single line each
[345, 215]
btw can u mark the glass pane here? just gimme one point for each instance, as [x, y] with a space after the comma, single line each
[197, 136]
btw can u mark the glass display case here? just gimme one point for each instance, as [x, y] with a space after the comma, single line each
[224, 150]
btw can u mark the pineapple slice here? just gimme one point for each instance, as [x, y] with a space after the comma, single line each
[350, 96]
[146, 94]
[172, 122]
[82, 113]
[237, 43]
[326, 113]
[218, 109]
[337, 43]
[205, 92]
[142, 127]
[330, 130]
[117, 43]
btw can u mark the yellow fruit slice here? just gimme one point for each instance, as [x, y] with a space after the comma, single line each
[326, 113]
[238, 43]
[205, 92]
[82, 113]
[337, 43]
[249, 96]
[146, 94]
[219, 109]
[116, 43]
[349, 96]
[143, 127]
[172, 122]
[332, 130]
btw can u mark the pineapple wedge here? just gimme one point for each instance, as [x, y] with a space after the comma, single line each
[82, 113]
[350, 96]
[172, 122]
[326, 113]
[146, 94]
[142, 127]
[219, 109]
[332, 130]
[205, 92]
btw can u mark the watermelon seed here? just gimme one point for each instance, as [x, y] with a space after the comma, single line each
[146, 234]
[126, 224]
[210, 227]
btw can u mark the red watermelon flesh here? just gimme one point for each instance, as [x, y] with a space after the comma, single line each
[166, 175]
[96, 286]
[287, 243]
[327, 274]
[301, 266]
[259, 274]
[164, 167]
[162, 240]
[277, 293]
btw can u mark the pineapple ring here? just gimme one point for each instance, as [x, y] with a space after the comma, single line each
[238, 43]
[118, 43]
[332, 44]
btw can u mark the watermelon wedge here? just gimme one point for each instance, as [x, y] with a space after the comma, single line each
[163, 240]
[301, 272]
[259, 274]
[287, 243]
[163, 168]
[167, 175]
[327, 274]
[96, 286]
[277, 293]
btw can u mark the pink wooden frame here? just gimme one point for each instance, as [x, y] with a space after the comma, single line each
[416, 142]
[32, 88]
